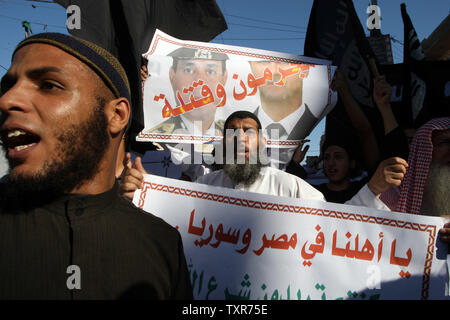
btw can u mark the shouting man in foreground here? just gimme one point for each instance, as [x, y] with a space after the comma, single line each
[65, 233]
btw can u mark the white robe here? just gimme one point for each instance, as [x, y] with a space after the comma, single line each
[275, 182]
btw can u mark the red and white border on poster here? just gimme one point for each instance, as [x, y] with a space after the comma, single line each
[159, 47]
[303, 248]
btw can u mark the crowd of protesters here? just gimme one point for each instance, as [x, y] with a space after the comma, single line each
[64, 114]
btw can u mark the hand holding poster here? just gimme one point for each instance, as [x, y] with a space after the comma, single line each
[193, 86]
[250, 246]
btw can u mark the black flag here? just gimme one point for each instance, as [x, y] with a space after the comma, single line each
[414, 87]
[424, 90]
[126, 28]
[335, 33]
[412, 50]
[436, 102]
[421, 87]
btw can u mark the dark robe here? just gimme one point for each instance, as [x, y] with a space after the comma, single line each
[121, 251]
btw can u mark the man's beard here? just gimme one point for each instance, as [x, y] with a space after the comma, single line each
[80, 149]
[435, 200]
[243, 173]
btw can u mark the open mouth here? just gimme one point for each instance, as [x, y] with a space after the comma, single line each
[19, 140]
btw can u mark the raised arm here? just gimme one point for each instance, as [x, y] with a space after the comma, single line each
[359, 121]
[382, 92]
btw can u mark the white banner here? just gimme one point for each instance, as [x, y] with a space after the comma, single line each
[249, 246]
[194, 86]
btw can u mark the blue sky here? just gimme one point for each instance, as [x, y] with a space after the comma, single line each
[263, 24]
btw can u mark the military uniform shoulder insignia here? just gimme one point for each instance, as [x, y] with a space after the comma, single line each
[219, 127]
[220, 124]
[163, 128]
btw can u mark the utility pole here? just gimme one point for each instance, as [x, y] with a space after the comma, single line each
[375, 32]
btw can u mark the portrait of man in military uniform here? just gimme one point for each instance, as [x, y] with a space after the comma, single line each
[190, 66]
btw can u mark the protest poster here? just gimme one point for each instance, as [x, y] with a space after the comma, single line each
[248, 246]
[193, 86]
